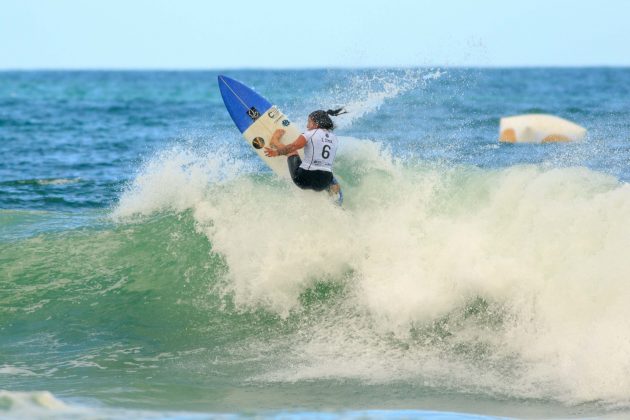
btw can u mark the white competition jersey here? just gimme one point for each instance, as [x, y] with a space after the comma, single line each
[320, 150]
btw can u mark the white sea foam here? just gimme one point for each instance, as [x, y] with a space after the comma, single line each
[30, 404]
[16, 371]
[363, 94]
[58, 181]
[176, 179]
[44, 405]
[375, 89]
[546, 248]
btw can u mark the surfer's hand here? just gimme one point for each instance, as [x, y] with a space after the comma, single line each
[269, 152]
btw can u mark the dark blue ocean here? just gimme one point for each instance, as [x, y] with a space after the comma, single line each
[151, 266]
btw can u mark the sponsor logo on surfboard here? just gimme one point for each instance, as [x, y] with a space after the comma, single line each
[253, 113]
[258, 142]
[285, 122]
[272, 113]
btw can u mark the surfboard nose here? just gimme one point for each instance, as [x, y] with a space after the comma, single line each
[224, 81]
[243, 104]
[221, 81]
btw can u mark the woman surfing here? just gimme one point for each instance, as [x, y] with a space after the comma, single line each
[320, 148]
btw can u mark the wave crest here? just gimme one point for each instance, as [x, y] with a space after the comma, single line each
[416, 244]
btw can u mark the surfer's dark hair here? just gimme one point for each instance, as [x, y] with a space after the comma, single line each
[322, 118]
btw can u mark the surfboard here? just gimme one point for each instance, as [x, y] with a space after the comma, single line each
[257, 119]
[539, 128]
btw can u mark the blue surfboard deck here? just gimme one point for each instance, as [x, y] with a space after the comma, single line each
[244, 105]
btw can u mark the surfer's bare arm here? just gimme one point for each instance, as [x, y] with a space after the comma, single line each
[275, 138]
[281, 149]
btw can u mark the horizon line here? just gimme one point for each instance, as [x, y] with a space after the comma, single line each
[309, 68]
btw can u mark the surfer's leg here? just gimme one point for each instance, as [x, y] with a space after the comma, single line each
[334, 190]
[334, 186]
[307, 180]
[315, 180]
[294, 162]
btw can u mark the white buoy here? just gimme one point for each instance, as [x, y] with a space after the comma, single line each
[539, 128]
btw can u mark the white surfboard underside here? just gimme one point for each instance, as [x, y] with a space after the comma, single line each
[263, 128]
[539, 128]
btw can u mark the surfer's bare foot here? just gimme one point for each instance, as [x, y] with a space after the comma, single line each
[333, 189]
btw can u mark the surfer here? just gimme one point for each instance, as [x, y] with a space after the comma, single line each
[320, 148]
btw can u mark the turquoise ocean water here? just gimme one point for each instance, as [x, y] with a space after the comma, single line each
[152, 267]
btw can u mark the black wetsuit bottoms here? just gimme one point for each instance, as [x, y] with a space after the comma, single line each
[308, 180]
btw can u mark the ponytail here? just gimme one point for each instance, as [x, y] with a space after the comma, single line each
[335, 112]
[322, 118]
